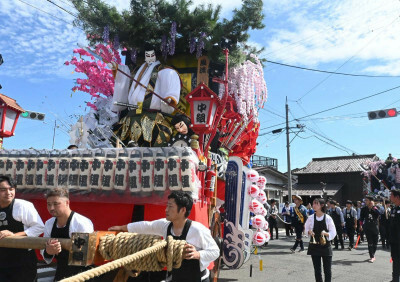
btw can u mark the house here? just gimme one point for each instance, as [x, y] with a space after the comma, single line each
[276, 182]
[339, 178]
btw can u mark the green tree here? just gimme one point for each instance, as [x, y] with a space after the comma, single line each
[147, 21]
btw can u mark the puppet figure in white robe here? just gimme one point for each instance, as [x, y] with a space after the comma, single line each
[146, 125]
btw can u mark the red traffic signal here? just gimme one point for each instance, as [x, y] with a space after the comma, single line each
[382, 114]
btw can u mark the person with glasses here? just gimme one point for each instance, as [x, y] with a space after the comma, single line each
[17, 218]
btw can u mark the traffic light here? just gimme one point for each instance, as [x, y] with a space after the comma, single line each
[1, 60]
[33, 115]
[382, 114]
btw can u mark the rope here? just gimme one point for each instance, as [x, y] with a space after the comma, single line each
[137, 252]
[282, 219]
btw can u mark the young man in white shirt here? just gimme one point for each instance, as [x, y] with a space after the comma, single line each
[63, 223]
[200, 249]
[17, 218]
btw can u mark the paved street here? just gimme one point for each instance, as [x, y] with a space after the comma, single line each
[279, 264]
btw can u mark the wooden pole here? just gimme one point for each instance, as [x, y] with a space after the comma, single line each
[36, 243]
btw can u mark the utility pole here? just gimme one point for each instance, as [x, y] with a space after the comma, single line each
[288, 153]
[54, 133]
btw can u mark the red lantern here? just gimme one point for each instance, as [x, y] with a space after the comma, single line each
[9, 114]
[203, 106]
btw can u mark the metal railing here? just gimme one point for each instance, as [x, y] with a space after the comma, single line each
[260, 161]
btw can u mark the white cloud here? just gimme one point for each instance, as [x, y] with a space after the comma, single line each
[33, 43]
[315, 32]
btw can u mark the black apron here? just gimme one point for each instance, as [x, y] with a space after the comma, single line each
[371, 221]
[63, 269]
[190, 268]
[336, 220]
[349, 220]
[14, 257]
[318, 249]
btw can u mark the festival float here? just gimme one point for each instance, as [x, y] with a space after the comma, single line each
[181, 113]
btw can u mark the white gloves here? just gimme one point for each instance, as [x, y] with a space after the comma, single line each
[165, 108]
[112, 65]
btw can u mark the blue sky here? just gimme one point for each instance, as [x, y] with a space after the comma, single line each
[355, 36]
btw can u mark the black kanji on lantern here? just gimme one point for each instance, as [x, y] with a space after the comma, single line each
[64, 165]
[73, 179]
[74, 165]
[39, 179]
[19, 178]
[132, 166]
[159, 164]
[173, 180]
[9, 164]
[96, 164]
[50, 180]
[201, 107]
[39, 164]
[106, 180]
[30, 179]
[31, 164]
[201, 118]
[84, 165]
[120, 164]
[145, 165]
[62, 179]
[171, 164]
[83, 180]
[20, 164]
[184, 165]
[158, 180]
[133, 182]
[119, 179]
[51, 164]
[146, 182]
[94, 179]
[185, 181]
[108, 165]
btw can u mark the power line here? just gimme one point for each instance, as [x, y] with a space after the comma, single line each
[66, 3]
[332, 72]
[329, 139]
[327, 28]
[65, 10]
[330, 144]
[321, 134]
[348, 60]
[273, 113]
[339, 106]
[50, 14]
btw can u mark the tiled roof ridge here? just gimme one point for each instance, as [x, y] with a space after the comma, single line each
[345, 157]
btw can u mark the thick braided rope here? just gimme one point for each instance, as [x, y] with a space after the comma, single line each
[137, 252]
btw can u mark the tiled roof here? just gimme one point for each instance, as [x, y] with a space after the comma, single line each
[11, 103]
[315, 189]
[336, 164]
[262, 169]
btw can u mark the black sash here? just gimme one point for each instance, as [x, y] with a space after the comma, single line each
[190, 269]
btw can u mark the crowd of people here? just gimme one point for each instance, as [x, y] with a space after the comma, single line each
[329, 225]
[20, 218]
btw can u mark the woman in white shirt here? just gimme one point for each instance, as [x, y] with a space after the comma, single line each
[322, 230]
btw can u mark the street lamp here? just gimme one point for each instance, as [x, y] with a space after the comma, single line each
[9, 113]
